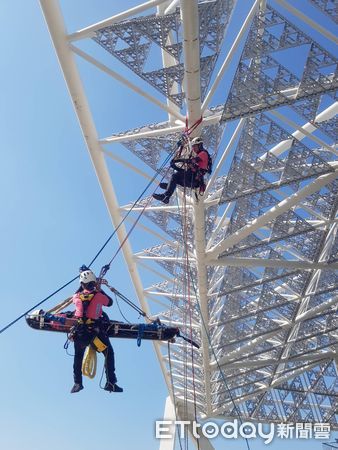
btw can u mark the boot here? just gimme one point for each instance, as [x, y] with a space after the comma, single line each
[163, 185]
[112, 387]
[76, 388]
[162, 197]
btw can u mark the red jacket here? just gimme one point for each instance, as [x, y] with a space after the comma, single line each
[202, 160]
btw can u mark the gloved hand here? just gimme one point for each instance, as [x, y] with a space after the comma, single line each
[172, 164]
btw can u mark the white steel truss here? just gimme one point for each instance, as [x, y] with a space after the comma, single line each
[263, 241]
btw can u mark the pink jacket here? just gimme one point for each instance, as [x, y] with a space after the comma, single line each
[202, 160]
[94, 310]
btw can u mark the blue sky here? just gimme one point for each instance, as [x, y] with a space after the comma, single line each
[53, 220]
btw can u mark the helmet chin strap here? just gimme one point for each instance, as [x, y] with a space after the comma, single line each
[92, 288]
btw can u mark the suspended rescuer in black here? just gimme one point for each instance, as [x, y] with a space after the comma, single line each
[88, 301]
[191, 174]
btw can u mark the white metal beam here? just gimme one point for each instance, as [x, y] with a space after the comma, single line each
[225, 155]
[246, 363]
[272, 214]
[265, 387]
[155, 272]
[312, 137]
[302, 312]
[125, 82]
[225, 219]
[168, 294]
[58, 33]
[186, 412]
[312, 312]
[231, 54]
[127, 164]
[169, 415]
[237, 355]
[148, 230]
[175, 323]
[89, 31]
[171, 8]
[315, 25]
[142, 134]
[191, 52]
[278, 263]
[154, 300]
[150, 208]
[190, 20]
[168, 60]
[309, 127]
[179, 259]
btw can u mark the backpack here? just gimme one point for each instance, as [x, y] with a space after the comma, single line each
[209, 168]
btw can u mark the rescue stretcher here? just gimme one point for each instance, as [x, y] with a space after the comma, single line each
[64, 322]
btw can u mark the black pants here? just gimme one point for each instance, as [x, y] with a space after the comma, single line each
[185, 178]
[83, 338]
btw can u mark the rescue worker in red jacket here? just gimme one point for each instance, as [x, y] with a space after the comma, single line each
[190, 175]
[88, 302]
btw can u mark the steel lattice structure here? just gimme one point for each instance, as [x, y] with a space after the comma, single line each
[263, 240]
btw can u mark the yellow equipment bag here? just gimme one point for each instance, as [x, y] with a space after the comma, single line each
[99, 345]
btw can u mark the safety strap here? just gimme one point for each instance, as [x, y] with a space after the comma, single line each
[188, 130]
[124, 298]
[140, 333]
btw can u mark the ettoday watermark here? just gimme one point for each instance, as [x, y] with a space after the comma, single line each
[164, 429]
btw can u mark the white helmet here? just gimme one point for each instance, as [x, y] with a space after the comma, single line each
[196, 141]
[87, 276]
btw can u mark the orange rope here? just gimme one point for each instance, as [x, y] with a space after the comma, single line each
[188, 130]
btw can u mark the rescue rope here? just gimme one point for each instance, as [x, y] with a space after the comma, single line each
[119, 308]
[187, 320]
[173, 391]
[130, 210]
[188, 271]
[89, 363]
[38, 304]
[125, 299]
[97, 254]
[190, 277]
[106, 267]
[188, 130]
[219, 366]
